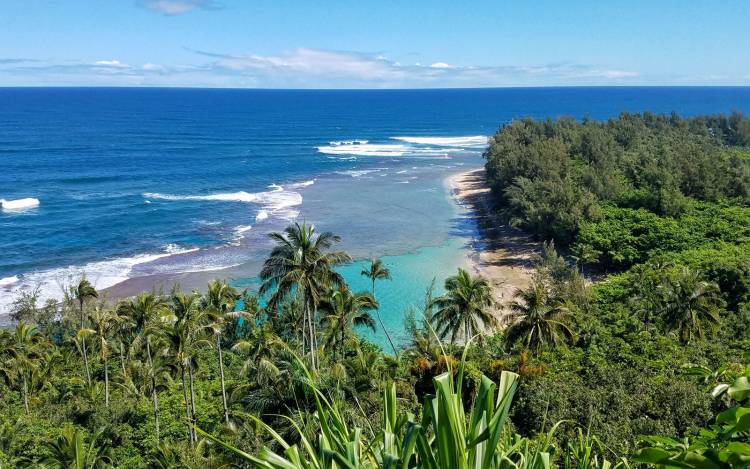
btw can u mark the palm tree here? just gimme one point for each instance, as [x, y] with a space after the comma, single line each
[70, 451]
[219, 300]
[185, 331]
[145, 313]
[537, 318]
[261, 349]
[447, 436]
[26, 352]
[143, 308]
[378, 271]
[141, 311]
[301, 263]
[121, 332]
[465, 304]
[82, 292]
[689, 303]
[156, 377]
[343, 311]
[104, 322]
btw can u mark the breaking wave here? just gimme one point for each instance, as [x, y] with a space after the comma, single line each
[4, 282]
[102, 274]
[19, 204]
[355, 173]
[461, 142]
[277, 201]
[381, 149]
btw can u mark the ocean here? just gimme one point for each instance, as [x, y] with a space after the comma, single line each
[142, 187]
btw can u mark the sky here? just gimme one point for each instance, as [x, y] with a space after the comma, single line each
[373, 44]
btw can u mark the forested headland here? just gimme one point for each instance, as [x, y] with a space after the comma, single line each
[630, 347]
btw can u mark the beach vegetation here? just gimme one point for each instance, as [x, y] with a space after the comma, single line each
[628, 348]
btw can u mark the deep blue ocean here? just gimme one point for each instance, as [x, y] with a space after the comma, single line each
[157, 186]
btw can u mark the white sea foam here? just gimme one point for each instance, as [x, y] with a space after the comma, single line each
[208, 222]
[298, 185]
[207, 268]
[239, 233]
[102, 274]
[461, 142]
[277, 201]
[365, 149]
[355, 173]
[7, 281]
[19, 204]
[262, 215]
[381, 149]
[170, 249]
[337, 143]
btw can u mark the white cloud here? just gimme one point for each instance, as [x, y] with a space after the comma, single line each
[111, 63]
[615, 74]
[315, 62]
[178, 7]
[326, 68]
[148, 66]
[307, 68]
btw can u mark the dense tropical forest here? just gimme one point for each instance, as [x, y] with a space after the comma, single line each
[629, 347]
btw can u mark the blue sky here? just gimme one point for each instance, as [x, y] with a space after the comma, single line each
[373, 44]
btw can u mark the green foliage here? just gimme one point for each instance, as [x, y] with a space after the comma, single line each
[537, 319]
[724, 444]
[447, 435]
[464, 309]
[283, 380]
[72, 451]
[626, 236]
[552, 178]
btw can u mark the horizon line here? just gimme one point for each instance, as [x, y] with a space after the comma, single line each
[508, 87]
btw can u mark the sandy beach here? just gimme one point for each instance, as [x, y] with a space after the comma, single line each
[501, 254]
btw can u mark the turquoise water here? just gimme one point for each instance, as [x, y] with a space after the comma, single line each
[418, 245]
[412, 275]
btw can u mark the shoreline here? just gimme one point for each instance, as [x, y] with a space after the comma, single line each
[470, 253]
[499, 253]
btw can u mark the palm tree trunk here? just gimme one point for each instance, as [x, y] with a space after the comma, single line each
[25, 395]
[153, 385]
[377, 313]
[311, 332]
[304, 326]
[86, 360]
[106, 383]
[313, 325]
[83, 346]
[148, 351]
[343, 338]
[192, 400]
[122, 359]
[155, 400]
[221, 374]
[187, 404]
